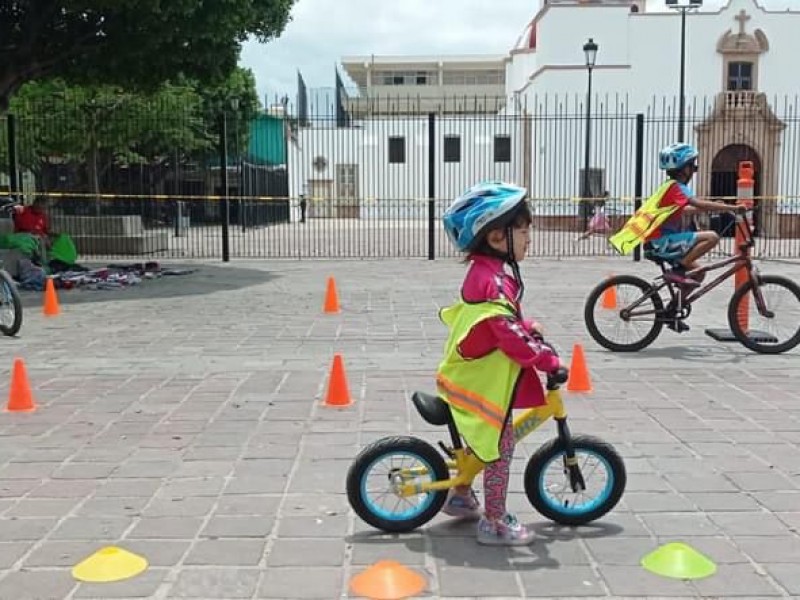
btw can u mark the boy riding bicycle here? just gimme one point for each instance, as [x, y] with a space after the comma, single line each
[659, 222]
[672, 241]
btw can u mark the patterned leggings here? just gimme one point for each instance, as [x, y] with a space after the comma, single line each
[495, 476]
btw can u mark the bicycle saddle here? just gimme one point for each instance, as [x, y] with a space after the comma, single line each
[432, 408]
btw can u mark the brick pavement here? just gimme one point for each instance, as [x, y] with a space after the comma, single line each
[189, 429]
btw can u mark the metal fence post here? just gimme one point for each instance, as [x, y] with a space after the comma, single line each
[226, 215]
[431, 186]
[13, 168]
[639, 180]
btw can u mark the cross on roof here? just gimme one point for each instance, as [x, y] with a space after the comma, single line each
[742, 17]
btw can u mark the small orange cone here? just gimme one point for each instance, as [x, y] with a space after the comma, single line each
[20, 398]
[338, 393]
[387, 580]
[578, 373]
[51, 307]
[331, 298]
[610, 297]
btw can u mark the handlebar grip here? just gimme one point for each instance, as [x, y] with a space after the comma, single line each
[560, 376]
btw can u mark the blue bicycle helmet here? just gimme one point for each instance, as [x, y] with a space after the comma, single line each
[676, 156]
[479, 209]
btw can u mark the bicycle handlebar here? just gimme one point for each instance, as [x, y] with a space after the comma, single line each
[558, 376]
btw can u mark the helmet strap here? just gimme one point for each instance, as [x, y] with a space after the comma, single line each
[512, 261]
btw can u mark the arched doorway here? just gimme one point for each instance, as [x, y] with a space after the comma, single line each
[724, 174]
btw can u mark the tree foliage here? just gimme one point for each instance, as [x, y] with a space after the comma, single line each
[139, 43]
[99, 126]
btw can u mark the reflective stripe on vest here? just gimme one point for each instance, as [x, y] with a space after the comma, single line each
[478, 390]
[644, 221]
[472, 402]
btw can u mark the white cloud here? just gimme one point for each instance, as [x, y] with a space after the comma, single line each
[321, 32]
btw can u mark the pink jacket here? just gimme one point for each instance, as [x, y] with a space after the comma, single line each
[486, 279]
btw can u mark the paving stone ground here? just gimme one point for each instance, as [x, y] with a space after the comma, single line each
[190, 429]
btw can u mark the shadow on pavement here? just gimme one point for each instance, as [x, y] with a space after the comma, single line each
[204, 279]
[453, 543]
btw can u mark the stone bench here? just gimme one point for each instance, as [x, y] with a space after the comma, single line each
[108, 234]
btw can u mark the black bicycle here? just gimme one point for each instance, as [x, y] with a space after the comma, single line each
[643, 308]
[10, 301]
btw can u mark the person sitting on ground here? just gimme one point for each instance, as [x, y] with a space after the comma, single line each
[55, 251]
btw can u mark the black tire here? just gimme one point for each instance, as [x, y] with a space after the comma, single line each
[594, 297]
[13, 329]
[741, 335]
[552, 449]
[367, 457]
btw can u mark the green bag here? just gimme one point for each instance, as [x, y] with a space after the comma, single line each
[24, 242]
[63, 249]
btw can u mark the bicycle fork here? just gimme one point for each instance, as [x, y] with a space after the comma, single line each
[576, 480]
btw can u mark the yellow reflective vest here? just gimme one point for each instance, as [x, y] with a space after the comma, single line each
[478, 390]
[644, 221]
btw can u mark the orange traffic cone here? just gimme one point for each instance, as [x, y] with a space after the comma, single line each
[610, 297]
[338, 393]
[578, 373]
[20, 398]
[331, 298]
[51, 307]
[387, 580]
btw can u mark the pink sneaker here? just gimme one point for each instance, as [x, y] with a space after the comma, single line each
[505, 532]
[464, 507]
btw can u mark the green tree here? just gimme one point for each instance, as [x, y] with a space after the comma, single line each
[96, 127]
[129, 42]
[237, 98]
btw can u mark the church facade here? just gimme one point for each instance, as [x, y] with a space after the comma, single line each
[740, 90]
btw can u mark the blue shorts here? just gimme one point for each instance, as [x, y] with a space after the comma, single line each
[674, 246]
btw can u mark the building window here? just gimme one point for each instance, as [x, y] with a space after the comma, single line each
[397, 150]
[452, 148]
[502, 148]
[405, 77]
[477, 77]
[740, 76]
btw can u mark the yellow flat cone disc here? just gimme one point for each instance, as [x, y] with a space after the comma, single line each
[679, 561]
[109, 564]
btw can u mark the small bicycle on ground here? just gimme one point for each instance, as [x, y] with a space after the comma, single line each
[399, 483]
[10, 301]
[638, 306]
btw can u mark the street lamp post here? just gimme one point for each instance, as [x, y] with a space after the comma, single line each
[683, 8]
[590, 51]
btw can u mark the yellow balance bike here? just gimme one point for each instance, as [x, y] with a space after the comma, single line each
[399, 483]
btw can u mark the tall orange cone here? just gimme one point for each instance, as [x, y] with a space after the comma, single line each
[331, 298]
[387, 580]
[20, 398]
[338, 393]
[50, 307]
[578, 373]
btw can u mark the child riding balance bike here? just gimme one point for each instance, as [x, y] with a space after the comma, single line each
[489, 368]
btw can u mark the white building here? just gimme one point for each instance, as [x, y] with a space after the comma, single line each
[740, 73]
[420, 84]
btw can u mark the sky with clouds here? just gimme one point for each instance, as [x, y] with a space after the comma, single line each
[322, 31]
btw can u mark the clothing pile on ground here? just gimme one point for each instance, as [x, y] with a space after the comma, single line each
[112, 276]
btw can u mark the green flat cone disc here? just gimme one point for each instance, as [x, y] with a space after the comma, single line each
[679, 561]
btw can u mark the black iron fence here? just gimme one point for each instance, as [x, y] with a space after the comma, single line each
[173, 185]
